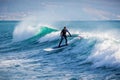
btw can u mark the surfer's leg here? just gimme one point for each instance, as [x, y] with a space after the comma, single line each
[60, 41]
[65, 39]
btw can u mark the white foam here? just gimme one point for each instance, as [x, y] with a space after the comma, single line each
[10, 63]
[27, 28]
[14, 62]
[50, 37]
[106, 53]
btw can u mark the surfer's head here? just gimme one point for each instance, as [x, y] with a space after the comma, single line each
[64, 27]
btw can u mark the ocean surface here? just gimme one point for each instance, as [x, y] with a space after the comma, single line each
[93, 51]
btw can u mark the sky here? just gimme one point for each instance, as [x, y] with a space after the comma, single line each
[60, 9]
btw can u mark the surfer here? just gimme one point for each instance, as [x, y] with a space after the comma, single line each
[63, 35]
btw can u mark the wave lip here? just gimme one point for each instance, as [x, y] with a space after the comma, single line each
[22, 33]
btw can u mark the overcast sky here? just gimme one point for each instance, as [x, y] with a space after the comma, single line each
[61, 9]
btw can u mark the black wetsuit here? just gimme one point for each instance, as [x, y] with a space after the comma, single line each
[63, 36]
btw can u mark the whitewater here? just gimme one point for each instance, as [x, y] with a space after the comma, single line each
[93, 52]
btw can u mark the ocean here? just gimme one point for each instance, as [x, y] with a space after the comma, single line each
[93, 51]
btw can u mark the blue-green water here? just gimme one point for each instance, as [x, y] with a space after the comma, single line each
[93, 52]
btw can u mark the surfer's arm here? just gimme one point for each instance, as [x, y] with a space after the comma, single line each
[69, 33]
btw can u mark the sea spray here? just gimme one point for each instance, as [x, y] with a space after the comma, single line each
[30, 27]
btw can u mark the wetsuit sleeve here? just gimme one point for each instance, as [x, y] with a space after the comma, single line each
[68, 32]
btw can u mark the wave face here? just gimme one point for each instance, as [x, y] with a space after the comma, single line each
[93, 52]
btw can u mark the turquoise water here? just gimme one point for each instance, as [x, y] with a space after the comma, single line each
[93, 52]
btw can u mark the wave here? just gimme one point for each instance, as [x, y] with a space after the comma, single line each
[90, 52]
[105, 54]
[101, 49]
[22, 33]
[50, 37]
